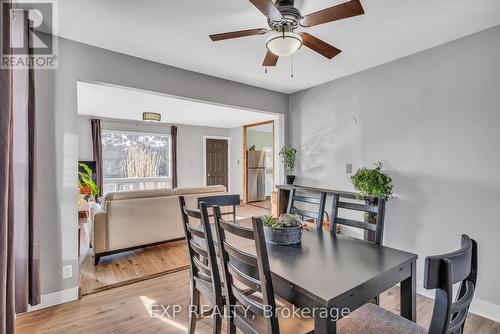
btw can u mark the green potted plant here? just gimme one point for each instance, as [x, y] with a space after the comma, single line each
[86, 183]
[285, 230]
[288, 155]
[372, 182]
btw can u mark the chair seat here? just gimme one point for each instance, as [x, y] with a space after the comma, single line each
[371, 318]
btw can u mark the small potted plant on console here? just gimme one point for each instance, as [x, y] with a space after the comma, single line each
[285, 230]
[288, 155]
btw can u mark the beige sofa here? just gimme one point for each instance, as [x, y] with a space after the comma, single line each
[135, 219]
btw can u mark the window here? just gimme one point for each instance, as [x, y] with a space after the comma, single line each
[135, 161]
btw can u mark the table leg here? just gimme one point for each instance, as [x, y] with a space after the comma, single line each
[409, 295]
[325, 325]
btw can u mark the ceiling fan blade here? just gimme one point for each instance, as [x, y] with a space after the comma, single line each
[270, 60]
[315, 44]
[268, 9]
[236, 34]
[339, 12]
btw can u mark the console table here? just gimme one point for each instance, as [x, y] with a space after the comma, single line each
[281, 196]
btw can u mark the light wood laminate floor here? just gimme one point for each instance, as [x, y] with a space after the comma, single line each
[132, 266]
[127, 310]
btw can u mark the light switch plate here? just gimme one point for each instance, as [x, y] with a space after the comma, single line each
[67, 271]
[348, 168]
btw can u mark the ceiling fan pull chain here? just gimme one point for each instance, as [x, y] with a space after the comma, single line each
[292, 67]
[265, 70]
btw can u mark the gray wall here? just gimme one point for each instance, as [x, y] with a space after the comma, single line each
[189, 145]
[57, 134]
[236, 161]
[434, 119]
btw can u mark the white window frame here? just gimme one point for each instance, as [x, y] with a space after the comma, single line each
[144, 179]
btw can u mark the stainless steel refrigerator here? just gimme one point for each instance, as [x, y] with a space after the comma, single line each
[256, 175]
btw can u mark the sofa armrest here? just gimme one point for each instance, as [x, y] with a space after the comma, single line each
[99, 230]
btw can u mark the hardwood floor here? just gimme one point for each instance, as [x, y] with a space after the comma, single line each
[262, 204]
[130, 267]
[127, 309]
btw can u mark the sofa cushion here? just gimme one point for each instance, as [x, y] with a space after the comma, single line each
[138, 194]
[199, 190]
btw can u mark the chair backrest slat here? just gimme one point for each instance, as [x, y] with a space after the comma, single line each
[240, 255]
[240, 231]
[245, 325]
[306, 199]
[198, 232]
[242, 268]
[317, 201]
[198, 249]
[465, 300]
[358, 207]
[373, 232]
[356, 223]
[202, 268]
[441, 273]
[222, 201]
[305, 213]
[201, 248]
[244, 278]
[247, 302]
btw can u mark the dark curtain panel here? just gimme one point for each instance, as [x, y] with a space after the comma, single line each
[174, 156]
[7, 287]
[19, 247]
[97, 149]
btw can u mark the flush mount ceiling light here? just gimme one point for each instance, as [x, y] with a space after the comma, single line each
[284, 44]
[151, 116]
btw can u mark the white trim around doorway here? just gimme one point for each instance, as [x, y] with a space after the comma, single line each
[228, 159]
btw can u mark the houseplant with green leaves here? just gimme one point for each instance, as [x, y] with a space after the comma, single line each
[285, 230]
[288, 155]
[374, 183]
[86, 183]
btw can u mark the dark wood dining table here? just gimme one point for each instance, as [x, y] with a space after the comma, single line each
[334, 272]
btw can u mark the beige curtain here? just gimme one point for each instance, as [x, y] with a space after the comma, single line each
[19, 247]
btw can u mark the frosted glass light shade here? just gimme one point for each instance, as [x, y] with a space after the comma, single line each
[151, 116]
[284, 45]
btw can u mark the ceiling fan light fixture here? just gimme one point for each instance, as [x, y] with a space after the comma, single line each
[151, 116]
[284, 44]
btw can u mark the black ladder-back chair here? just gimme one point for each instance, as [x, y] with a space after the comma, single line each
[205, 276]
[243, 269]
[373, 232]
[448, 317]
[319, 201]
[441, 273]
[222, 200]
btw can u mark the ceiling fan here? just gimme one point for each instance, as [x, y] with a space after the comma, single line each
[283, 18]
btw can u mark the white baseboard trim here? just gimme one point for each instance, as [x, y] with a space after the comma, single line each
[56, 298]
[478, 306]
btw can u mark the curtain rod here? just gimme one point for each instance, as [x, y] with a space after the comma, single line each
[136, 123]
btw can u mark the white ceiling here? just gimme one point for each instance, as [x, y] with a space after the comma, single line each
[175, 32]
[128, 104]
